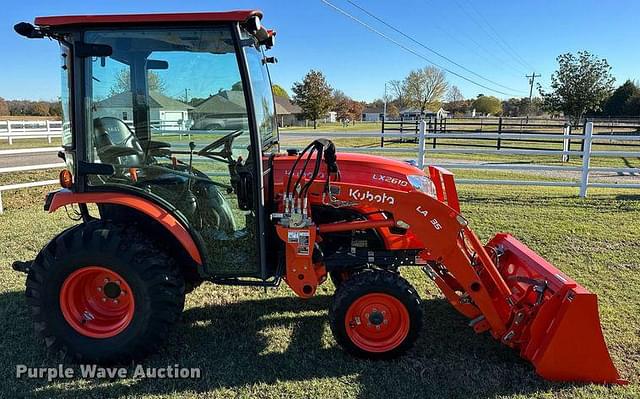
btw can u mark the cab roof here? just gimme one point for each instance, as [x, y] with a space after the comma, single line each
[140, 19]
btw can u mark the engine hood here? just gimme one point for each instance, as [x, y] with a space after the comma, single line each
[358, 168]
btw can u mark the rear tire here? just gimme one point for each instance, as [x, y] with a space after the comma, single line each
[376, 314]
[104, 293]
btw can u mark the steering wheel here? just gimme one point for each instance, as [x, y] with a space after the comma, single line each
[226, 153]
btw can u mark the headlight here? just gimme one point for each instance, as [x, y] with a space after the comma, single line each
[423, 184]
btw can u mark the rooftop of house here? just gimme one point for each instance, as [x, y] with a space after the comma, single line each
[373, 110]
[156, 100]
[284, 106]
[224, 102]
[417, 111]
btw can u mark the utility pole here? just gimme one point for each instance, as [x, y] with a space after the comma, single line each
[186, 95]
[384, 112]
[531, 78]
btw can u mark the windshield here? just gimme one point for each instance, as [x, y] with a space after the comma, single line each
[168, 111]
[167, 83]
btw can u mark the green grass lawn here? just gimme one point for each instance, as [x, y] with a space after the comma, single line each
[29, 143]
[249, 343]
[336, 127]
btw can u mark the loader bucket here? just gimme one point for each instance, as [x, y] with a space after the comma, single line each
[555, 322]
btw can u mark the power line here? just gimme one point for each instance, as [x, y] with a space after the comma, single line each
[374, 30]
[491, 36]
[497, 34]
[427, 47]
[476, 48]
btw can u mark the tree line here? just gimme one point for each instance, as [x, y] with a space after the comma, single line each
[29, 108]
[581, 86]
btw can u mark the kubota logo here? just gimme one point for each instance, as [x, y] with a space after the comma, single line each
[370, 197]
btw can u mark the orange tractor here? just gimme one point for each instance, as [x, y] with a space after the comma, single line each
[169, 130]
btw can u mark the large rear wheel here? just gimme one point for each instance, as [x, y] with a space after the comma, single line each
[376, 314]
[104, 293]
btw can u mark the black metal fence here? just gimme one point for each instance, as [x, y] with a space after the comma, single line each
[512, 126]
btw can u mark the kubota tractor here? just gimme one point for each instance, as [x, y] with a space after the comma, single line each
[170, 130]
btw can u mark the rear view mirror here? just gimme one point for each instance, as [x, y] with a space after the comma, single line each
[157, 64]
[92, 50]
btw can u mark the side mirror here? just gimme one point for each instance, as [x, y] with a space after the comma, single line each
[28, 30]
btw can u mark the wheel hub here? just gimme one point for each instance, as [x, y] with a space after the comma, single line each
[377, 322]
[96, 302]
[111, 290]
[376, 318]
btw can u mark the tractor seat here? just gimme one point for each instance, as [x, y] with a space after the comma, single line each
[115, 143]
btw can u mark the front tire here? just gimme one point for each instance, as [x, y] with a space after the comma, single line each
[376, 314]
[104, 293]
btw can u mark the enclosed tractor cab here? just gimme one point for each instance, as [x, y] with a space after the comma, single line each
[176, 175]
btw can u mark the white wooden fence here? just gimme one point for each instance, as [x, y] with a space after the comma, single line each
[587, 153]
[13, 169]
[32, 129]
[421, 152]
[48, 129]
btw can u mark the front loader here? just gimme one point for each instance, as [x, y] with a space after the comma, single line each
[170, 135]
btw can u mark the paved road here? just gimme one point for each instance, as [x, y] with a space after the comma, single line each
[28, 159]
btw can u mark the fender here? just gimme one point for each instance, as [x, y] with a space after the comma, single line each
[66, 197]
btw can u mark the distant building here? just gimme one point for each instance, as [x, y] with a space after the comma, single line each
[414, 113]
[224, 110]
[161, 108]
[330, 117]
[288, 113]
[372, 114]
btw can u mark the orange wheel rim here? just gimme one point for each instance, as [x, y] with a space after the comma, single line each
[97, 302]
[377, 322]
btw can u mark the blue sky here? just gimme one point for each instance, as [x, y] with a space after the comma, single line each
[530, 34]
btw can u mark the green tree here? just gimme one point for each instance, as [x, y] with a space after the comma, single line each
[633, 106]
[489, 105]
[521, 107]
[581, 84]
[55, 108]
[619, 104]
[123, 82]
[313, 95]
[458, 107]
[426, 87]
[511, 107]
[279, 91]
[4, 107]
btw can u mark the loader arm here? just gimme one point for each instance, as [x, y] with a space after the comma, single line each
[442, 230]
[504, 287]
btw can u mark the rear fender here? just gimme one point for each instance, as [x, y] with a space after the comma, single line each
[154, 211]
